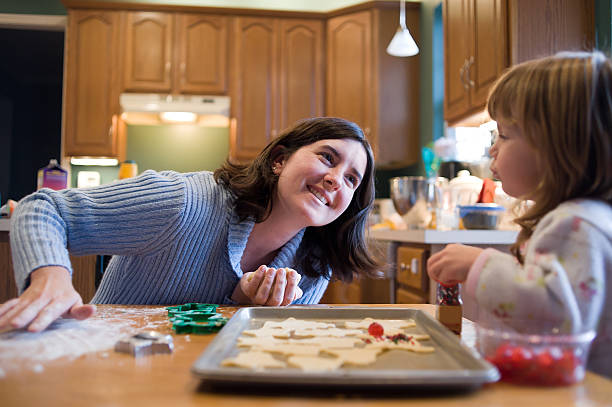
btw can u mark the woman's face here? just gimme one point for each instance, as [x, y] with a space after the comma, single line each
[317, 182]
[515, 163]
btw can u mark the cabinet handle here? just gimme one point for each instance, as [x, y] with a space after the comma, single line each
[469, 64]
[462, 72]
[414, 268]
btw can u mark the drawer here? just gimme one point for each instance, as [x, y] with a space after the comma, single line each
[403, 296]
[411, 267]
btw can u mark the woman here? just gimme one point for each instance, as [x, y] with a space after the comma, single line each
[302, 203]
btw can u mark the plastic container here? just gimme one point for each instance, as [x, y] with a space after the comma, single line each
[52, 176]
[481, 216]
[128, 169]
[536, 360]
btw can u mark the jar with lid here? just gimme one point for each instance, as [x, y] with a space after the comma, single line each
[128, 169]
[450, 307]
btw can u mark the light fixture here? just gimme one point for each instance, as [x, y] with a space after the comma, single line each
[178, 117]
[94, 161]
[402, 44]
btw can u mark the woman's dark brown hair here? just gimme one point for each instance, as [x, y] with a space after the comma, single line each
[339, 247]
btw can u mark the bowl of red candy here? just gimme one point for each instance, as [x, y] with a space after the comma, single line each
[535, 359]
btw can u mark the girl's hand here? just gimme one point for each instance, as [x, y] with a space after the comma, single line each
[49, 296]
[268, 286]
[452, 264]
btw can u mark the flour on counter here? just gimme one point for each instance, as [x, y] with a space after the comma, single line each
[69, 338]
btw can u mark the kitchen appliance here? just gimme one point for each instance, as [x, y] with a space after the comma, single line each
[160, 103]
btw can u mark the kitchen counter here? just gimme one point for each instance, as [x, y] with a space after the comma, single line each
[429, 236]
[104, 377]
[422, 243]
[5, 224]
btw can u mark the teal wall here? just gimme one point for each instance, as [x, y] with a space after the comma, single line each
[183, 148]
[603, 25]
[47, 7]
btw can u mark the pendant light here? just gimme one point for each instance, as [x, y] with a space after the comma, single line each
[402, 44]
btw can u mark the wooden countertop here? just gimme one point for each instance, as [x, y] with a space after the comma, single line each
[30, 375]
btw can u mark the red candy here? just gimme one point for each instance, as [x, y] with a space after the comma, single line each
[375, 329]
[549, 366]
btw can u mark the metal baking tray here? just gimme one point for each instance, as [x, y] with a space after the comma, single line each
[452, 364]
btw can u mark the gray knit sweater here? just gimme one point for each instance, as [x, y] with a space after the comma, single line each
[175, 239]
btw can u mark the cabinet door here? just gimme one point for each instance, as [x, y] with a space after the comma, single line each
[457, 38]
[254, 60]
[411, 269]
[300, 71]
[488, 50]
[404, 296]
[148, 51]
[202, 54]
[92, 89]
[349, 68]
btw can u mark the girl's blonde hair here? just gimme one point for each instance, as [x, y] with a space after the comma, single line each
[563, 105]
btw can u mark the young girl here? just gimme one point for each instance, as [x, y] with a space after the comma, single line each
[176, 238]
[554, 117]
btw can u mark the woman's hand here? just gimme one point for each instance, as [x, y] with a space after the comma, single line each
[452, 264]
[49, 296]
[268, 286]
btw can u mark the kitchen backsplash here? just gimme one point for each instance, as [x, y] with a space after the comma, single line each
[182, 148]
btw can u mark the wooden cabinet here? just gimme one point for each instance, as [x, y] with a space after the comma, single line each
[83, 277]
[91, 98]
[411, 274]
[475, 52]
[174, 53]
[377, 91]
[484, 37]
[277, 75]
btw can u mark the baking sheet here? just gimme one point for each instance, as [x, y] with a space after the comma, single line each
[452, 363]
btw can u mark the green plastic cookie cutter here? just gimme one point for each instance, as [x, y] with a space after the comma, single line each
[214, 324]
[195, 307]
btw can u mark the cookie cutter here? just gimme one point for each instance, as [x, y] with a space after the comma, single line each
[188, 326]
[146, 343]
[192, 306]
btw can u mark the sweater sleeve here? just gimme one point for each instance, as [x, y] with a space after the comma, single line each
[136, 215]
[560, 285]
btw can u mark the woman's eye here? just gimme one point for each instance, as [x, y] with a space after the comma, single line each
[328, 157]
[352, 180]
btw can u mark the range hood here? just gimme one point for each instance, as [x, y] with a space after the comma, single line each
[153, 108]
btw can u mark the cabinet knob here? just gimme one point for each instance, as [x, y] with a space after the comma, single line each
[414, 266]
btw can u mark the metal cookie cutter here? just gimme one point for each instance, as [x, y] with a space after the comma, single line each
[146, 343]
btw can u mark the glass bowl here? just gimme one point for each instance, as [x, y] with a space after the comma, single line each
[536, 360]
[481, 216]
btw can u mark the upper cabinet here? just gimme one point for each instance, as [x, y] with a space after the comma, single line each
[377, 91]
[475, 52]
[91, 98]
[484, 37]
[174, 52]
[277, 78]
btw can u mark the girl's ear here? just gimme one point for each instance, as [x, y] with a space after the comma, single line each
[278, 159]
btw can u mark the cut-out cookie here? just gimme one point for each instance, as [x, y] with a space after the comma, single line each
[334, 332]
[268, 332]
[290, 349]
[314, 363]
[253, 360]
[292, 323]
[356, 356]
[387, 324]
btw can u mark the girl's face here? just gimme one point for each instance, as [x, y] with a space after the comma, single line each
[317, 182]
[515, 162]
